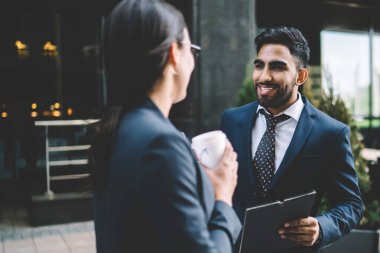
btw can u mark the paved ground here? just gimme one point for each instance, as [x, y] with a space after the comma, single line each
[17, 236]
[67, 238]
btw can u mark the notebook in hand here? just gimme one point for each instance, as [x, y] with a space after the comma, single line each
[261, 223]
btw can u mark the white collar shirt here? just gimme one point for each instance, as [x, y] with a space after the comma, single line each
[284, 130]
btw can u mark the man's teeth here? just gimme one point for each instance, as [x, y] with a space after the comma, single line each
[266, 89]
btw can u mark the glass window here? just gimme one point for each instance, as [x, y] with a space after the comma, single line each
[345, 63]
[376, 77]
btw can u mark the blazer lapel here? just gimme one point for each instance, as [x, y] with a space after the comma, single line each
[247, 141]
[205, 188]
[304, 126]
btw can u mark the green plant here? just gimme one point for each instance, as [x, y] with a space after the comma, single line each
[246, 93]
[334, 106]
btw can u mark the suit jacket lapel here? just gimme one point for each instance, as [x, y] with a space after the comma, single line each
[247, 142]
[205, 187]
[304, 126]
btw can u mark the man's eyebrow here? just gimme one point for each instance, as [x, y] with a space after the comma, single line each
[278, 64]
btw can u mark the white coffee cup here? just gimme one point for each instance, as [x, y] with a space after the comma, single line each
[209, 147]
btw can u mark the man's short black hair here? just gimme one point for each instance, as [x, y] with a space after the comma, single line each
[290, 37]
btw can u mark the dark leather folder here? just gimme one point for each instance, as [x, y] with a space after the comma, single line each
[261, 223]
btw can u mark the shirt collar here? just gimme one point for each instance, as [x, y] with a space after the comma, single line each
[294, 111]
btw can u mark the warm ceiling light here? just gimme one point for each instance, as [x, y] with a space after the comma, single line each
[4, 114]
[56, 113]
[33, 114]
[20, 45]
[57, 105]
[34, 106]
[49, 47]
[69, 111]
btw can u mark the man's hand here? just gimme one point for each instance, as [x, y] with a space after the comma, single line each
[304, 232]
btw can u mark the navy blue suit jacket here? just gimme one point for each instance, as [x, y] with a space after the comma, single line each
[319, 157]
[157, 198]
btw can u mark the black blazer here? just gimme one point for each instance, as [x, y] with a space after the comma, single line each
[157, 198]
[319, 157]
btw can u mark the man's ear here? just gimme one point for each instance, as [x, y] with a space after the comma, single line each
[302, 75]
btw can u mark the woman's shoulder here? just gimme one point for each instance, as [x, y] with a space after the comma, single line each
[147, 122]
[143, 129]
[150, 141]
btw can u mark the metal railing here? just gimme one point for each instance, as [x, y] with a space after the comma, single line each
[49, 149]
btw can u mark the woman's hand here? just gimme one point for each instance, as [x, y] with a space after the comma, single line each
[224, 176]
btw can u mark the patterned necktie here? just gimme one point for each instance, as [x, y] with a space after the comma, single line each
[263, 162]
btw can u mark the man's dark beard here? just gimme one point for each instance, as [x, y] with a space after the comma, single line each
[280, 98]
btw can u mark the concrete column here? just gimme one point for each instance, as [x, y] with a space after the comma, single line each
[226, 30]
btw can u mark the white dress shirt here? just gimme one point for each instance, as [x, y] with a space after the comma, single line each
[284, 130]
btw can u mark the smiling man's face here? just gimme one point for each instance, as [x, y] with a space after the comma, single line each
[275, 77]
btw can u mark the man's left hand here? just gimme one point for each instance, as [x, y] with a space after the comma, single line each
[304, 232]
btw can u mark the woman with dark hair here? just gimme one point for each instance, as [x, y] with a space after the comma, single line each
[151, 195]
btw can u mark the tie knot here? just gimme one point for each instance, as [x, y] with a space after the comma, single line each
[272, 121]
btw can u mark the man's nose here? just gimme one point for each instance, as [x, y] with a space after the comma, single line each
[265, 76]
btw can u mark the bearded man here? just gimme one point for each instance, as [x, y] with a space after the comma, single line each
[286, 147]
